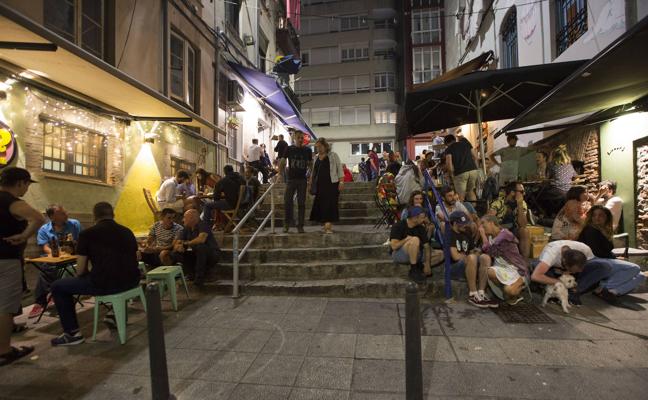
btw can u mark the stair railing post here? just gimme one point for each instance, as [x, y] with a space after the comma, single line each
[413, 363]
[157, 352]
[272, 211]
[235, 265]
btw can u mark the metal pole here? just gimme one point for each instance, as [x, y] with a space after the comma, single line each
[479, 129]
[413, 364]
[157, 352]
[235, 261]
[272, 210]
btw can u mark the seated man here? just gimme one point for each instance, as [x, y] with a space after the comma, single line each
[511, 212]
[568, 256]
[112, 250]
[608, 198]
[226, 194]
[195, 247]
[252, 186]
[65, 231]
[451, 203]
[169, 196]
[159, 243]
[409, 244]
[468, 260]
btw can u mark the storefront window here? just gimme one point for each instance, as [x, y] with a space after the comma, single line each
[178, 164]
[79, 21]
[73, 150]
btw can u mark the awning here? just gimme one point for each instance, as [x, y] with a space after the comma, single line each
[267, 89]
[84, 74]
[496, 94]
[470, 66]
[615, 77]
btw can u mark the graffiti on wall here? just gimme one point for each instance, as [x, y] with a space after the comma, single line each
[8, 146]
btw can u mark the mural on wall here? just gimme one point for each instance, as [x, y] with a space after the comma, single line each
[8, 147]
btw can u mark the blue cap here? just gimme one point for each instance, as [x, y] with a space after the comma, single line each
[460, 218]
[414, 211]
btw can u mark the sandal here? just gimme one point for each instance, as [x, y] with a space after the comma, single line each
[16, 353]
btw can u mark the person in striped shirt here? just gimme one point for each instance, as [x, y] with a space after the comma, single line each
[157, 248]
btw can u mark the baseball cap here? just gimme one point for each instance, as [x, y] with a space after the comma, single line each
[414, 211]
[13, 175]
[460, 218]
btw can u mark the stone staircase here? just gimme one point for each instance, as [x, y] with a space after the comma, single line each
[352, 262]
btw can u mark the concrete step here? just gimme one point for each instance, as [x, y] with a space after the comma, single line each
[343, 205]
[346, 189]
[309, 239]
[352, 287]
[350, 185]
[343, 197]
[344, 212]
[343, 220]
[306, 254]
[312, 271]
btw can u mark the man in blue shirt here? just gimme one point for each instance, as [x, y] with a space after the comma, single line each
[65, 231]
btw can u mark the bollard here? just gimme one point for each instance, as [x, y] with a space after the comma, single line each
[157, 351]
[413, 363]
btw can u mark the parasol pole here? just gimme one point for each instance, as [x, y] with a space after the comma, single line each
[478, 110]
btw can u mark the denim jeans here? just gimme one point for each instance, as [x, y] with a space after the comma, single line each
[210, 206]
[625, 276]
[299, 186]
[63, 292]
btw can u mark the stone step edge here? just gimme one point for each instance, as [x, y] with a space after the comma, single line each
[314, 264]
[370, 246]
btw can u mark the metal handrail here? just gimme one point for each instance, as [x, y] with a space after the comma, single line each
[236, 255]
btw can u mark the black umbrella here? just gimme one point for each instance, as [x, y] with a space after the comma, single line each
[482, 96]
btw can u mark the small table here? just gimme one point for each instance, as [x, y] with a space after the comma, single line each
[63, 264]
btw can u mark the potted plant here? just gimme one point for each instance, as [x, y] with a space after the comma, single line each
[233, 122]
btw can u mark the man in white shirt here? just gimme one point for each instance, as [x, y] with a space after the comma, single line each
[253, 157]
[608, 198]
[167, 196]
[568, 256]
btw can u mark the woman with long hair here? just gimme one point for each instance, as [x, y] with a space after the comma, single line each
[326, 182]
[597, 232]
[560, 173]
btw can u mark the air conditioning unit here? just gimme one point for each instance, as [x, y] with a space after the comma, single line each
[235, 94]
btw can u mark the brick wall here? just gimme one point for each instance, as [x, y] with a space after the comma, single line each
[642, 197]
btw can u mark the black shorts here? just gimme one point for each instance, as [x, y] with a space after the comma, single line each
[151, 259]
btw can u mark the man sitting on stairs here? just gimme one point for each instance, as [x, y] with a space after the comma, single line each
[409, 244]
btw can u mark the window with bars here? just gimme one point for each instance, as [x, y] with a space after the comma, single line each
[384, 81]
[183, 70]
[427, 63]
[353, 22]
[350, 54]
[426, 26]
[509, 40]
[178, 164]
[79, 21]
[571, 22]
[73, 150]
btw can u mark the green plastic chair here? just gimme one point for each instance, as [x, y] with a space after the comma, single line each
[118, 301]
[167, 276]
[142, 267]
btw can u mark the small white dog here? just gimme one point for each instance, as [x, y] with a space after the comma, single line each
[559, 291]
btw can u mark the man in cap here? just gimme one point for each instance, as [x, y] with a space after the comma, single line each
[18, 222]
[468, 260]
[409, 243]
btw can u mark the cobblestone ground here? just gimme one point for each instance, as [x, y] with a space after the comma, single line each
[317, 348]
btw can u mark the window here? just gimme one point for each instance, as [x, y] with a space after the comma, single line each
[361, 149]
[79, 21]
[178, 164]
[354, 84]
[305, 58]
[325, 116]
[232, 142]
[232, 11]
[72, 150]
[427, 63]
[425, 3]
[183, 70]
[385, 114]
[357, 52]
[324, 55]
[316, 87]
[385, 23]
[357, 115]
[571, 22]
[509, 40]
[384, 81]
[349, 23]
[426, 26]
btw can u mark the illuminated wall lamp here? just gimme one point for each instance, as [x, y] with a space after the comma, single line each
[150, 137]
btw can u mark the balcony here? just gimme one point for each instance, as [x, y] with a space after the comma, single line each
[287, 38]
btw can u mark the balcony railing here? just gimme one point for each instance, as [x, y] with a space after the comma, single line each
[574, 25]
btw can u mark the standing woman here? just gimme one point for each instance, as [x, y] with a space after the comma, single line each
[326, 183]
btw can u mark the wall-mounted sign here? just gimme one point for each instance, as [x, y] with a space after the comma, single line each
[8, 145]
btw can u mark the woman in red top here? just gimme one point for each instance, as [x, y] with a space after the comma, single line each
[348, 176]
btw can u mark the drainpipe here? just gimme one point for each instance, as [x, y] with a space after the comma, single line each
[165, 47]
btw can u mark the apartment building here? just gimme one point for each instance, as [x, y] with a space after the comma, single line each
[347, 86]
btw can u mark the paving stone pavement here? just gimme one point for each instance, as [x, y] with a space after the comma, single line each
[319, 348]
